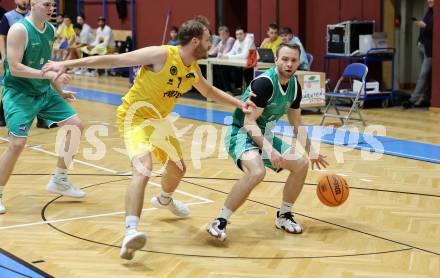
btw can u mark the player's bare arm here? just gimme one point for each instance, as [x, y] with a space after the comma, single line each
[153, 56]
[16, 43]
[211, 92]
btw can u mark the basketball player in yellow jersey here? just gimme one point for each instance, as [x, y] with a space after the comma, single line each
[167, 72]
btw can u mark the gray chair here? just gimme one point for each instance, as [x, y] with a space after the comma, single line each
[355, 71]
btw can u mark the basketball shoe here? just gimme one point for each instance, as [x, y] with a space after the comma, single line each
[132, 242]
[218, 229]
[2, 207]
[176, 207]
[62, 185]
[285, 221]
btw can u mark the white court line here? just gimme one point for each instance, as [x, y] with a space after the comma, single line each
[366, 180]
[344, 175]
[82, 217]
[36, 148]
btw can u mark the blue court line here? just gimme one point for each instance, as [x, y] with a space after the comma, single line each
[14, 267]
[387, 145]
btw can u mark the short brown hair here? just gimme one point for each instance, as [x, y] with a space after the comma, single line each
[193, 28]
[289, 45]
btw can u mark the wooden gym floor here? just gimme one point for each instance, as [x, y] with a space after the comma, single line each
[389, 226]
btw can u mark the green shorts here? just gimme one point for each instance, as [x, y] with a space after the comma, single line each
[21, 109]
[237, 141]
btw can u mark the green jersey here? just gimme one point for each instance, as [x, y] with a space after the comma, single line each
[278, 104]
[37, 52]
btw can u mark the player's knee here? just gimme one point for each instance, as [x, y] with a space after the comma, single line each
[17, 145]
[79, 125]
[303, 164]
[142, 166]
[76, 122]
[257, 175]
[182, 169]
[299, 165]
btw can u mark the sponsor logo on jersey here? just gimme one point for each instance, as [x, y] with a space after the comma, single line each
[22, 128]
[173, 70]
[172, 94]
[190, 75]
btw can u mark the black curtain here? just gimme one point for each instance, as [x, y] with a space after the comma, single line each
[121, 6]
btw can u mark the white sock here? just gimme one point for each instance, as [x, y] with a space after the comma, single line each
[225, 213]
[60, 172]
[285, 207]
[1, 192]
[131, 223]
[165, 197]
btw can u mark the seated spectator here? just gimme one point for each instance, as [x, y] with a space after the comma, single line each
[103, 43]
[234, 75]
[273, 40]
[225, 44]
[288, 37]
[173, 36]
[242, 44]
[65, 37]
[59, 20]
[86, 35]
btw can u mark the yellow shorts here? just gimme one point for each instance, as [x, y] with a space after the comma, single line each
[154, 136]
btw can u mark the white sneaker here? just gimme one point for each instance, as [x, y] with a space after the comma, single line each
[285, 221]
[80, 71]
[2, 208]
[64, 187]
[218, 229]
[133, 241]
[92, 73]
[177, 207]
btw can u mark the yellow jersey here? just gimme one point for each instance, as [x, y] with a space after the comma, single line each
[158, 91]
[273, 45]
[66, 32]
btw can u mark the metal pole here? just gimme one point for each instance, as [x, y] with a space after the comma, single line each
[133, 40]
[104, 9]
[78, 7]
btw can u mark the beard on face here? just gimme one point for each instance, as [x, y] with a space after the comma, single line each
[200, 52]
[23, 7]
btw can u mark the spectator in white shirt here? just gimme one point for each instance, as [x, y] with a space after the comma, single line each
[230, 76]
[103, 41]
[86, 36]
[242, 44]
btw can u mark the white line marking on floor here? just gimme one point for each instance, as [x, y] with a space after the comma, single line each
[83, 217]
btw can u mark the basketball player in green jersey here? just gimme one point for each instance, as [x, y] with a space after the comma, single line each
[252, 145]
[27, 92]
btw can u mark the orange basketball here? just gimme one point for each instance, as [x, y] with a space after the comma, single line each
[332, 190]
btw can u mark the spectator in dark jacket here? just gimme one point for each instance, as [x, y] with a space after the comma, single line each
[421, 97]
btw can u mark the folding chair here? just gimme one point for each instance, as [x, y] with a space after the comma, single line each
[309, 59]
[355, 71]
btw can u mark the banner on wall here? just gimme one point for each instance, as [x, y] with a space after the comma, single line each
[313, 91]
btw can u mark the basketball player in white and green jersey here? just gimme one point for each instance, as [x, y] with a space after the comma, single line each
[251, 143]
[27, 92]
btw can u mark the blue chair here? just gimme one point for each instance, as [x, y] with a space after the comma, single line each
[344, 92]
[309, 59]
